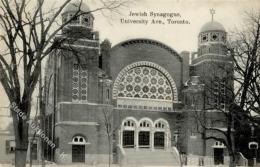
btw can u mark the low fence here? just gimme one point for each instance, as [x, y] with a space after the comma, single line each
[194, 160]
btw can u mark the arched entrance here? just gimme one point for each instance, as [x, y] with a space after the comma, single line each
[145, 133]
[159, 138]
[161, 134]
[128, 133]
[218, 152]
[78, 149]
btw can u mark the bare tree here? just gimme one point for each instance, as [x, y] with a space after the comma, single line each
[218, 125]
[110, 130]
[108, 122]
[245, 50]
[27, 37]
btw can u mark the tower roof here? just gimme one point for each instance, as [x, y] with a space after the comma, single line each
[212, 26]
[75, 6]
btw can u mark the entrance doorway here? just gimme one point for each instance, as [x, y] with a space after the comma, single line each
[144, 139]
[159, 140]
[78, 153]
[34, 151]
[218, 156]
[128, 139]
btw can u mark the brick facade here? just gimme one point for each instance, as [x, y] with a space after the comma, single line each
[96, 114]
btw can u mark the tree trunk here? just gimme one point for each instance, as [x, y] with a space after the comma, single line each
[232, 162]
[21, 149]
[180, 157]
[20, 158]
[21, 133]
[109, 151]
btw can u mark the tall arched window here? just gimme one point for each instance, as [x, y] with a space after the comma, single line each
[144, 136]
[161, 127]
[128, 136]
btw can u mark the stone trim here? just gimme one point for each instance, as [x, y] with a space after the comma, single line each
[149, 41]
[81, 46]
[77, 123]
[88, 103]
[212, 60]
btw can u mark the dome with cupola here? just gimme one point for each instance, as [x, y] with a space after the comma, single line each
[78, 14]
[77, 6]
[212, 32]
[212, 38]
[212, 26]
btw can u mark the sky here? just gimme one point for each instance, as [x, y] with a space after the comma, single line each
[179, 37]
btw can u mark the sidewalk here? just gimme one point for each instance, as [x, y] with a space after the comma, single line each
[103, 165]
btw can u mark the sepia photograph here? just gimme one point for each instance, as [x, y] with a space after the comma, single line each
[129, 83]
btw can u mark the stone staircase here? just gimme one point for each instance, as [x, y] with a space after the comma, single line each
[146, 157]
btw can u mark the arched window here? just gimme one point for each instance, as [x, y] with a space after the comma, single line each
[161, 129]
[128, 135]
[145, 126]
[160, 125]
[145, 133]
[219, 144]
[145, 85]
[78, 140]
[129, 123]
[145, 82]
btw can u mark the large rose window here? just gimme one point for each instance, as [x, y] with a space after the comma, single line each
[145, 82]
[145, 85]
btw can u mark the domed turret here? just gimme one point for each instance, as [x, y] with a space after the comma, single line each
[212, 26]
[75, 6]
[212, 38]
[80, 14]
[212, 31]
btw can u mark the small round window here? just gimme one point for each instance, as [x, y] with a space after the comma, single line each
[86, 20]
[204, 38]
[223, 38]
[214, 37]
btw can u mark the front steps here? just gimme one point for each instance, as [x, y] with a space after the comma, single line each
[147, 157]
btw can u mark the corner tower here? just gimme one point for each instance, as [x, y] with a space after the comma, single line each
[78, 102]
[208, 93]
[79, 60]
[212, 64]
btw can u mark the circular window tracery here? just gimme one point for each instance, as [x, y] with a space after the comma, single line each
[143, 70]
[136, 83]
[213, 37]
